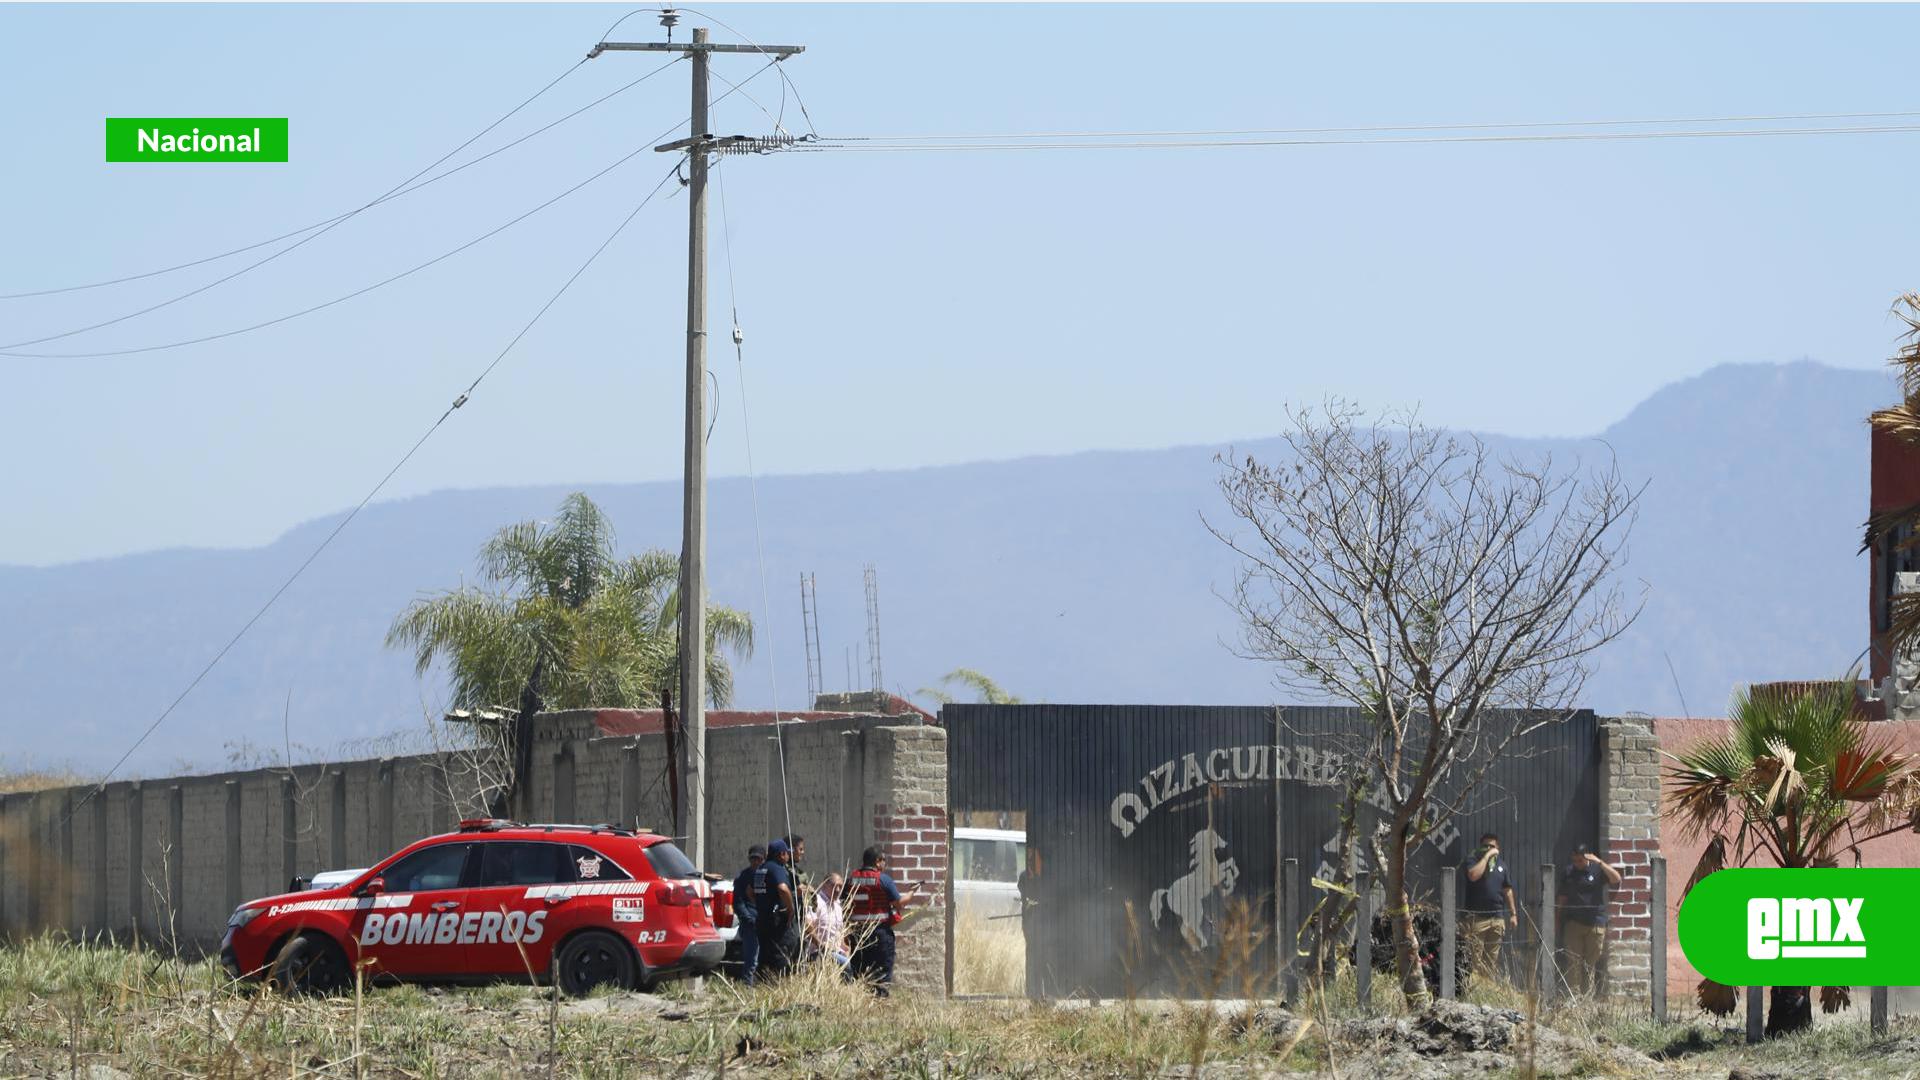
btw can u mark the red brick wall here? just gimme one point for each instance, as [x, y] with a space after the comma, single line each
[915, 841]
[1628, 905]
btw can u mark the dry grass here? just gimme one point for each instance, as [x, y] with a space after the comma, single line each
[70, 1006]
[989, 958]
[65, 1007]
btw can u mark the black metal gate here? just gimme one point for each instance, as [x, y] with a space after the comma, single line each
[1159, 829]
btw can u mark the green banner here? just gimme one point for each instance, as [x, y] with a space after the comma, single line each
[197, 138]
[1774, 927]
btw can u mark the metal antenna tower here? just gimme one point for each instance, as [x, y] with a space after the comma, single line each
[873, 628]
[810, 633]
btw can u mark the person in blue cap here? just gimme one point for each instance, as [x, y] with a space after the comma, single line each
[775, 911]
[746, 928]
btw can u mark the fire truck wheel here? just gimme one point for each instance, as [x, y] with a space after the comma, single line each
[309, 963]
[593, 958]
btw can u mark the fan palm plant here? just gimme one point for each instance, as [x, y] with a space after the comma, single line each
[565, 623]
[1798, 780]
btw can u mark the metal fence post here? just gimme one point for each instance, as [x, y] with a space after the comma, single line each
[289, 829]
[1877, 1009]
[383, 807]
[136, 853]
[66, 890]
[630, 783]
[1657, 976]
[101, 864]
[1288, 903]
[176, 858]
[337, 820]
[33, 878]
[565, 807]
[232, 856]
[1363, 939]
[5, 928]
[1324, 953]
[1754, 1027]
[1544, 931]
[1449, 933]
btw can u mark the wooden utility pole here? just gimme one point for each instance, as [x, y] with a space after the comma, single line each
[693, 515]
[699, 146]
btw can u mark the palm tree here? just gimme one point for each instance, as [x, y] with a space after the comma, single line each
[1798, 780]
[988, 691]
[1901, 422]
[568, 624]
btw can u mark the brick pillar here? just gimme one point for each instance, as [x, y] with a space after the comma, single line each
[910, 825]
[1630, 813]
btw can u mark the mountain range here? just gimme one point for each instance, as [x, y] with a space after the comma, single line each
[1081, 578]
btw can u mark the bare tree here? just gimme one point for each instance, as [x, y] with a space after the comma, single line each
[1451, 594]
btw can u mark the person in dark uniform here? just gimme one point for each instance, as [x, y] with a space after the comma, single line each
[1033, 885]
[1584, 884]
[797, 870]
[873, 908]
[775, 914]
[746, 930]
[1490, 907]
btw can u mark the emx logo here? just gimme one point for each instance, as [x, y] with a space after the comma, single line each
[1805, 928]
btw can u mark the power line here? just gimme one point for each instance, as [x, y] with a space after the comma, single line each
[371, 494]
[324, 226]
[1781, 117]
[857, 146]
[7, 350]
[363, 290]
[404, 188]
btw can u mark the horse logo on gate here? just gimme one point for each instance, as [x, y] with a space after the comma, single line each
[1210, 872]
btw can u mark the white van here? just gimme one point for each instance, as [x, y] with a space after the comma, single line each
[986, 873]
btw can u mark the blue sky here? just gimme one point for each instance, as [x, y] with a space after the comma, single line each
[905, 310]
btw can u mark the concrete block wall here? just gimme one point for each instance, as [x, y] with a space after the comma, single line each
[820, 780]
[1630, 813]
[170, 858]
[824, 791]
[742, 801]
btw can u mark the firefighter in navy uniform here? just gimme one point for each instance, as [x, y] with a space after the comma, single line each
[746, 914]
[873, 907]
[775, 913]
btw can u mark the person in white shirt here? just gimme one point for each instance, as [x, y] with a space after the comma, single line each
[827, 921]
